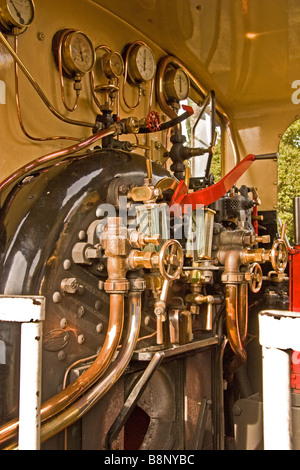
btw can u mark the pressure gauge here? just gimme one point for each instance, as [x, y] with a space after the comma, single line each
[78, 54]
[16, 14]
[113, 65]
[141, 64]
[176, 85]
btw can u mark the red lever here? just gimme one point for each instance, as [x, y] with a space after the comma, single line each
[211, 194]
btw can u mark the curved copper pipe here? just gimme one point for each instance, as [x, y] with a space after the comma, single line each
[17, 98]
[61, 77]
[236, 298]
[84, 404]
[38, 89]
[67, 396]
[172, 60]
[232, 321]
[59, 153]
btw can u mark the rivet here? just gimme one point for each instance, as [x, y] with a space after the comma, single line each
[81, 311]
[81, 235]
[80, 339]
[63, 323]
[99, 327]
[67, 264]
[61, 355]
[56, 297]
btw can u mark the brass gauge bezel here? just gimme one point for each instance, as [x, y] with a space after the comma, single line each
[109, 67]
[70, 64]
[171, 89]
[11, 12]
[138, 64]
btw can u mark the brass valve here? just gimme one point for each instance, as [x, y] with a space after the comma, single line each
[199, 299]
[169, 260]
[254, 277]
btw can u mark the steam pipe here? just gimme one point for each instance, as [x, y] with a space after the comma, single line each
[59, 153]
[232, 320]
[243, 310]
[67, 396]
[236, 298]
[84, 404]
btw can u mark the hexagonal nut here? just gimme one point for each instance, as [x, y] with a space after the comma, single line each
[79, 253]
[116, 286]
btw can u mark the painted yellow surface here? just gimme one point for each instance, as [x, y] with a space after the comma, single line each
[247, 51]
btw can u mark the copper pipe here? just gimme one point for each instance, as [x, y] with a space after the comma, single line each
[172, 60]
[67, 396]
[84, 404]
[17, 98]
[125, 76]
[37, 87]
[232, 321]
[92, 78]
[61, 77]
[59, 153]
[243, 310]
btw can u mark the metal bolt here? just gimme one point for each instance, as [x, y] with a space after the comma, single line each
[70, 285]
[99, 327]
[236, 410]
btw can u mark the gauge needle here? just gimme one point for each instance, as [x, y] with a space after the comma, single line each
[18, 13]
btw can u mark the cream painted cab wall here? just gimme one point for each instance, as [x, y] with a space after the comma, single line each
[35, 51]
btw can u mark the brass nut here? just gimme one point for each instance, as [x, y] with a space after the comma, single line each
[79, 253]
[115, 286]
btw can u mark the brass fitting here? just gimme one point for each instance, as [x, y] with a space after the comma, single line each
[199, 299]
[259, 255]
[115, 242]
[140, 240]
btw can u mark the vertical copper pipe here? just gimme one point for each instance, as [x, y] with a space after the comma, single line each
[67, 396]
[243, 310]
[232, 320]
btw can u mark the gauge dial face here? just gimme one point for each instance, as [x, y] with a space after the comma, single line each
[113, 65]
[17, 13]
[141, 64]
[78, 53]
[177, 85]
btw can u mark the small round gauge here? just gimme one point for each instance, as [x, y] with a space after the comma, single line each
[176, 85]
[113, 65]
[141, 64]
[16, 13]
[78, 54]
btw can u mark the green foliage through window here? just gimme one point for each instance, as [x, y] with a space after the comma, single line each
[289, 176]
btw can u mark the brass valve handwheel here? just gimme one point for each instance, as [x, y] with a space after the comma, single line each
[279, 256]
[256, 278]
[170, 261]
